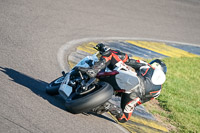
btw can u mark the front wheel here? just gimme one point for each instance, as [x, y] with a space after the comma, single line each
[83, 103]
[52, 88]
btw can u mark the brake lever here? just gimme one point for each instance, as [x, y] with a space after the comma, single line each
[96, 48]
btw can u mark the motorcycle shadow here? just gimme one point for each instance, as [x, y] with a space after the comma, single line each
[36, 86]
[39, 88]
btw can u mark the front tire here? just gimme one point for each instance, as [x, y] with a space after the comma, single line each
[91, 100]
[52, 88]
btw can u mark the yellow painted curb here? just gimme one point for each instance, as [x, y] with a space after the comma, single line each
[162, 48]
[88, 47]
[138, 124]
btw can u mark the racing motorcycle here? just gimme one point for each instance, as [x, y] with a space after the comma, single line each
[83, 93]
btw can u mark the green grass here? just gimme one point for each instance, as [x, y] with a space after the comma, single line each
[181, 93]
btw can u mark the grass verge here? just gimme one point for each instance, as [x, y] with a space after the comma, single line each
[180, 96]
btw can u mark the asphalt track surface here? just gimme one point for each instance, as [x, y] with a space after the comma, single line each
[32, 32]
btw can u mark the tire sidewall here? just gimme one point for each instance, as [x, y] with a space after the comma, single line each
[94, 99]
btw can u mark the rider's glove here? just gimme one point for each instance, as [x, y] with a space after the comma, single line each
[102, 48]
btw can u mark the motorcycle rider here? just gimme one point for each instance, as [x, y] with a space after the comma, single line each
[150, 78]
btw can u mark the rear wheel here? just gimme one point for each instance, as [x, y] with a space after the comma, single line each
[52, 88]
[83, 103]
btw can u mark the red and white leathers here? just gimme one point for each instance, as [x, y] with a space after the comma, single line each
[145, 91]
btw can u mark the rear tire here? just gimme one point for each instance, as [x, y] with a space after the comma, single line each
[52, 88]
[90, 100]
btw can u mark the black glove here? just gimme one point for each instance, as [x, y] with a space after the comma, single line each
[102, 48]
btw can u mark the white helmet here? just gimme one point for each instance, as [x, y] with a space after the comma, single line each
[158, 77]
[159, 64]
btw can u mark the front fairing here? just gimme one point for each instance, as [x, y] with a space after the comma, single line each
[83, 62]
[65, 90]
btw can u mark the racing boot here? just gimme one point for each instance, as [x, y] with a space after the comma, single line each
[102, 108]
[114, 110]
[109, 107]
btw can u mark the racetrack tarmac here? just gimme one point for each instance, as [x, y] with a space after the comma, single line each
[32, 32]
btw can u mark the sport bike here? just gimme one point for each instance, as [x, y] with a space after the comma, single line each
[83, 93]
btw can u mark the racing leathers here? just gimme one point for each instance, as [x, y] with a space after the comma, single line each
[144, 91]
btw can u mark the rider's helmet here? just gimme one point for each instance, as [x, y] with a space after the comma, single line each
[159, 64]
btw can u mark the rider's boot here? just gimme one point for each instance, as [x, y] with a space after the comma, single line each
[102, 108]
[109, 107]
[128, 103]
[116, 111]
[113, 109]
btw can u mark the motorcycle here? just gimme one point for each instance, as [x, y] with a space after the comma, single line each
[83, 93]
